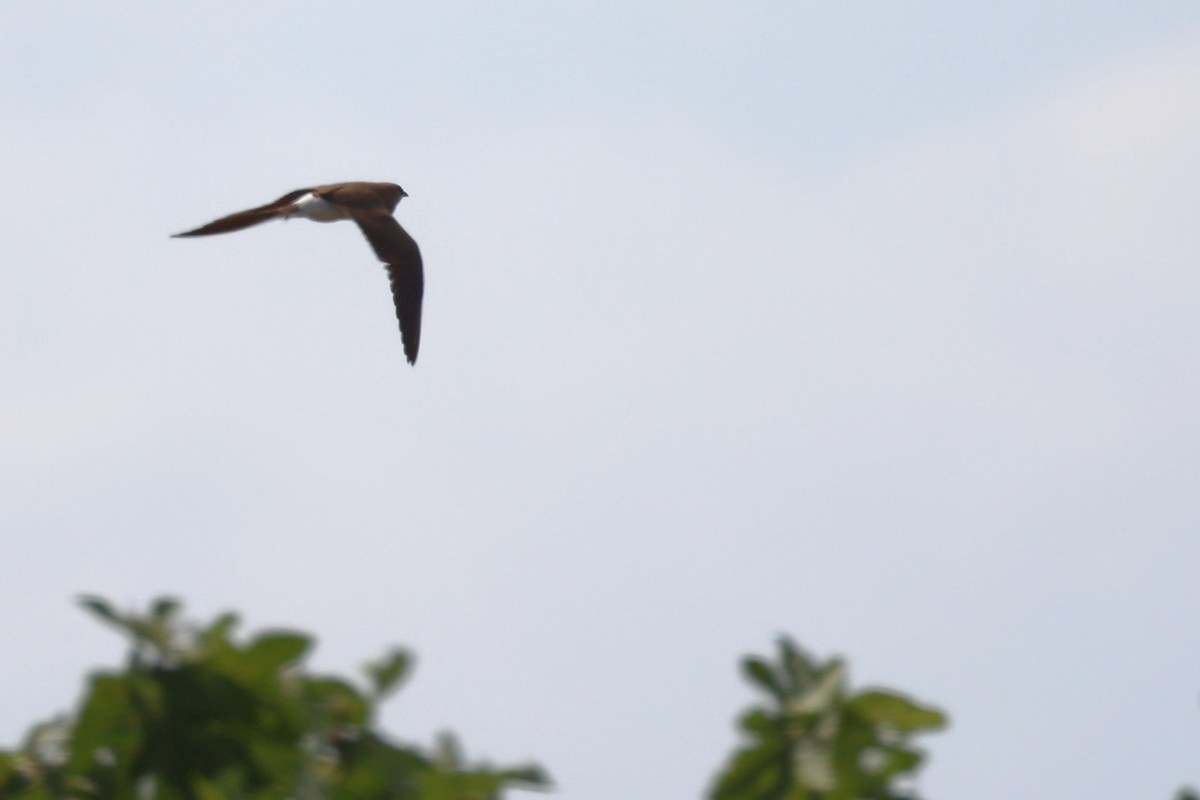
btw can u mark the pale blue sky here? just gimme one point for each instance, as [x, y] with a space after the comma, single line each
[872, 326]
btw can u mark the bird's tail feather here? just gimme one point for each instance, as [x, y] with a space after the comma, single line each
[241, 220]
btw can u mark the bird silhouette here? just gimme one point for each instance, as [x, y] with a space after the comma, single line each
[371, 206]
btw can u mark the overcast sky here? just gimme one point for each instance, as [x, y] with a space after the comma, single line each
[875, 324]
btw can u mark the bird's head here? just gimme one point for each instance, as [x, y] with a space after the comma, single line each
[397, 193]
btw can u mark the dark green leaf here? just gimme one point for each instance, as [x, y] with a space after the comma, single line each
[270, 653]
[761, 772]
[102, 609]
[759, 673]
[335, 703]
[387, 673]
[532, 777]
[795, 664]
[109, 725]
[163, 610]
[760, 722]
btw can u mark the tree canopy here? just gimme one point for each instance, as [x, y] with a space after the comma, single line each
[200, 713]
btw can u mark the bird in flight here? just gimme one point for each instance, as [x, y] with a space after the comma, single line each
[371, 206]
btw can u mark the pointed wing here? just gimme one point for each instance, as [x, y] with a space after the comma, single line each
[244, 219]
[400, 253]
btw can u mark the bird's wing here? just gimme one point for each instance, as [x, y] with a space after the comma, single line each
[244, 219]
[400, 253]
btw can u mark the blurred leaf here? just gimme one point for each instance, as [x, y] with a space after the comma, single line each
[102, 609]
[335, 703]
[760, 722]
[388, 672]
[886, 762]
[221, 629]
[163, 610]
[825, 690]
[757, 671]
[108, 726]
[533, 777]
[760, 772]
[371, 767]
[154, 630]
[447, 753]
[795, 664]
[896, 711]
[270, 653]
[8, 769]
[451, 779]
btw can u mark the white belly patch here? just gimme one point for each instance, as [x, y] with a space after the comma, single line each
[312, 207]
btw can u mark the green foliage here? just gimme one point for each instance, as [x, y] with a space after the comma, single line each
[196, 715]
[813, 740]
